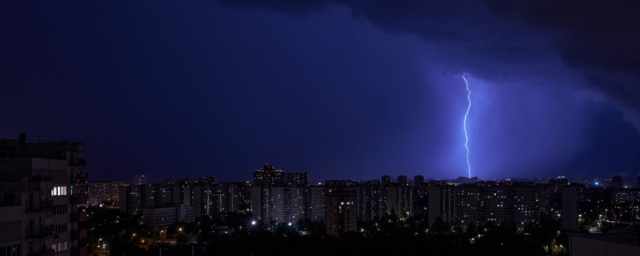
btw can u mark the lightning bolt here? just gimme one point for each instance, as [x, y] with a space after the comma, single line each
[466, 143]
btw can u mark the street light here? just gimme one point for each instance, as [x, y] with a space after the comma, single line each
[180, 229]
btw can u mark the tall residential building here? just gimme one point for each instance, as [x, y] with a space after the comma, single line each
[385, 183]
[405, 197]
[210, 197]
[135, 198]
[369, 199]
[341, 210]
[570, 198]
[141, 179]
[238, 196]
[514, 203]
[402, 180]
[557, 184]
[398, 197]
[385, 180]
[168, 194]
[25, 207]
[616, 182]
[420, 195]
[315, 203]
[105, 191]
[288, 204]
[59, 161]
[256, 201]
[623, 196]
[392, 205]
[638, 182]
[297, 179]
[340, 183]
[206, 198]
[81, 185]
[261, 198]
[270, 200]
[436, 209]
[268, 177]
[131, 199]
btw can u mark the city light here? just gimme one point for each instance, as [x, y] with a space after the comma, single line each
[355, 103]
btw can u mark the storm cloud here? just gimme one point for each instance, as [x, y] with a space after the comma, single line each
[348, 89]
[513, 40]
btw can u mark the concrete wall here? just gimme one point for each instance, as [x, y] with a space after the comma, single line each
[592, 246]
[11, 221]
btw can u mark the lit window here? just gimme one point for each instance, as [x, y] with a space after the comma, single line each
[59, 247]
[59, 191]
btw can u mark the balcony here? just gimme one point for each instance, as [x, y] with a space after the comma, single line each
[36, 186]
[38, 206]
[79, 234]
[40, 232]
[81, 251]
[78, 199]
[79, 162]
[39, 178]
[48, 252]
[78, 216]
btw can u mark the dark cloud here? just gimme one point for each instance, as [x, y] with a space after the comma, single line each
[506, 40]
[297, 8]
[339, 88]
[599, 39]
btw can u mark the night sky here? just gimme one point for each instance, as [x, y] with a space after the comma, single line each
[344, 89]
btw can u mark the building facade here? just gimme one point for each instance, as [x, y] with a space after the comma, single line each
[268, 177]
[141, 179]
[570, 198]
[25, 207]
[162, 217]
[60, 162]
[101, 192]
[341, 210]
[510, 203]
[297, 179]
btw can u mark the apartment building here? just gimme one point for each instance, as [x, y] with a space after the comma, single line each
[41, 210]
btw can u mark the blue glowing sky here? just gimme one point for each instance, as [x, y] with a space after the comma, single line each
[339, 89]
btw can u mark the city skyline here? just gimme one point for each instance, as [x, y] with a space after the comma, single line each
[319, 127]
[43, 179]
[338, 89]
